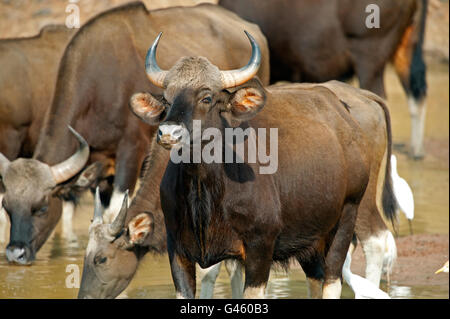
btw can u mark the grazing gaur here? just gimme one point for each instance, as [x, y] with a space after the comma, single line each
[31, 208]
[113, 253]
[33, 62]
[215, 211]
[99, 71]
[317, 41]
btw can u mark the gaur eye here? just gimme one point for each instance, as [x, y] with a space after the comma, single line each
[40, 211]
[207, 100]
[100, 260]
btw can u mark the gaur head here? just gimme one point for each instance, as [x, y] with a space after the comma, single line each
[195, 89]
[113, 252]
[29, 186]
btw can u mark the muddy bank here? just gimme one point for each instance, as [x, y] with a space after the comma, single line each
[419, 256]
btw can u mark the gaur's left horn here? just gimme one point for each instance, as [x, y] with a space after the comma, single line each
[98, 208]
[119, 222]
[234, 78]
[4, 163]
[154, 73]
[71, 166]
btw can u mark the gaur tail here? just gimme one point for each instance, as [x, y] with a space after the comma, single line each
[408, 58]
[390, 205]
[417, 77]
[389, 202]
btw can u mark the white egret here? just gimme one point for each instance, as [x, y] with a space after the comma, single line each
[443, 269]
[403, 193]
[363, 288]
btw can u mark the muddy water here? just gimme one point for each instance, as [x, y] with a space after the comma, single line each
[429, 180]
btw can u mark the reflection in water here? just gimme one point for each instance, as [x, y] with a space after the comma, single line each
[278, 288]
[428, 180]
[425, 292]
[400, 292]
[57, 248]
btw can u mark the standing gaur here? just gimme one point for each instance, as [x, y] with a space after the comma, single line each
[217, 211]
[143, 229]
[100, 69]
[322, 40]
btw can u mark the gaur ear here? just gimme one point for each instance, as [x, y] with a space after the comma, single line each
[147, 108]
[246, 101]
[139, 228]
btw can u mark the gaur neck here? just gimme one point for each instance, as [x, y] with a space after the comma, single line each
[147, 198]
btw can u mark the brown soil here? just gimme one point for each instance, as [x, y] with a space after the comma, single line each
[419, 256]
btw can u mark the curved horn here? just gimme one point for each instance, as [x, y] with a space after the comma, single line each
[71, 166]
[119, 222]
[234, 78]
[4, 163]
[98, 207]
[154, 73]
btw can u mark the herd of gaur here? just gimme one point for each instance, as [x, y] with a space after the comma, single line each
[98, 108]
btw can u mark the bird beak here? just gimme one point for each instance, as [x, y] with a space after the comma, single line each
[440, 270]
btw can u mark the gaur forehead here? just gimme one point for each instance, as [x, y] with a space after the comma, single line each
[192, 73]
[23, 174]
[97, 237]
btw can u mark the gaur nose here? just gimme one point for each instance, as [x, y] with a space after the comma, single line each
[170, 133]
[177, 133]
[17, 254]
